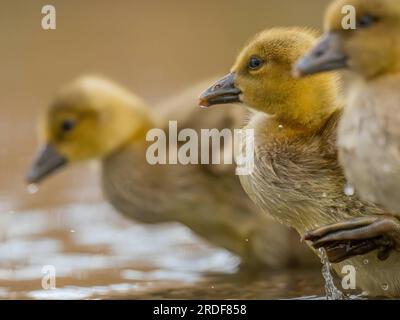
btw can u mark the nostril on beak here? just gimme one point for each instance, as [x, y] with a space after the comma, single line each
[319, 53]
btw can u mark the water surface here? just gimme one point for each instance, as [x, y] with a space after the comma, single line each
[98, 254]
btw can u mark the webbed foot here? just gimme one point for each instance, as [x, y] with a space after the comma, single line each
[357, 236]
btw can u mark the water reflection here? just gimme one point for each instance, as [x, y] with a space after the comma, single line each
[98, 254]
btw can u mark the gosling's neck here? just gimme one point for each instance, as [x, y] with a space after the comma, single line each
[389, 68]
[305, 105]
[304, 116]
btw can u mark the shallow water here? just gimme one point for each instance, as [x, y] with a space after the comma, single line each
[98, 254]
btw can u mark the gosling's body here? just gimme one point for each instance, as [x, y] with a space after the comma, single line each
[369, 135]
[369, 140]
[299, 181]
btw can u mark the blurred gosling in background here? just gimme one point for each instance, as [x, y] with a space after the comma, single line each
[93, 118]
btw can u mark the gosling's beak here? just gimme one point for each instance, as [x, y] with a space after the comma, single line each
[327, 55]
[47, 161]
[223, 91]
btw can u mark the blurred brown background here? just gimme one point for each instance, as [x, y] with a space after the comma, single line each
[153, 47]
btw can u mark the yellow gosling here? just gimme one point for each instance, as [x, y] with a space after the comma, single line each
[297, 177]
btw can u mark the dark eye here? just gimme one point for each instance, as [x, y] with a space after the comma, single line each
[255, 63]
[68, 125]
[366, 21]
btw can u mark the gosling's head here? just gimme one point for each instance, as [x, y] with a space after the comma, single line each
[370, 49]
[261, 79]
[88, 119]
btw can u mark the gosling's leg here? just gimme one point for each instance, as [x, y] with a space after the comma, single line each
[357, 236]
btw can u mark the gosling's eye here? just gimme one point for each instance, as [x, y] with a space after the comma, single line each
[255, 63]
[366, 21]
[68, 125]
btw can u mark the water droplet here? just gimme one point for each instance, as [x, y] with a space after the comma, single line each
[32, 188]
[247, 239]
[385, 286]
[212, 287]
[348, 190]
[280, 126]
[366, 261]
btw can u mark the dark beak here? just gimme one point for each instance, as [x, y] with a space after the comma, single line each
[327, 55]
[47, 161]
[223, 91]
